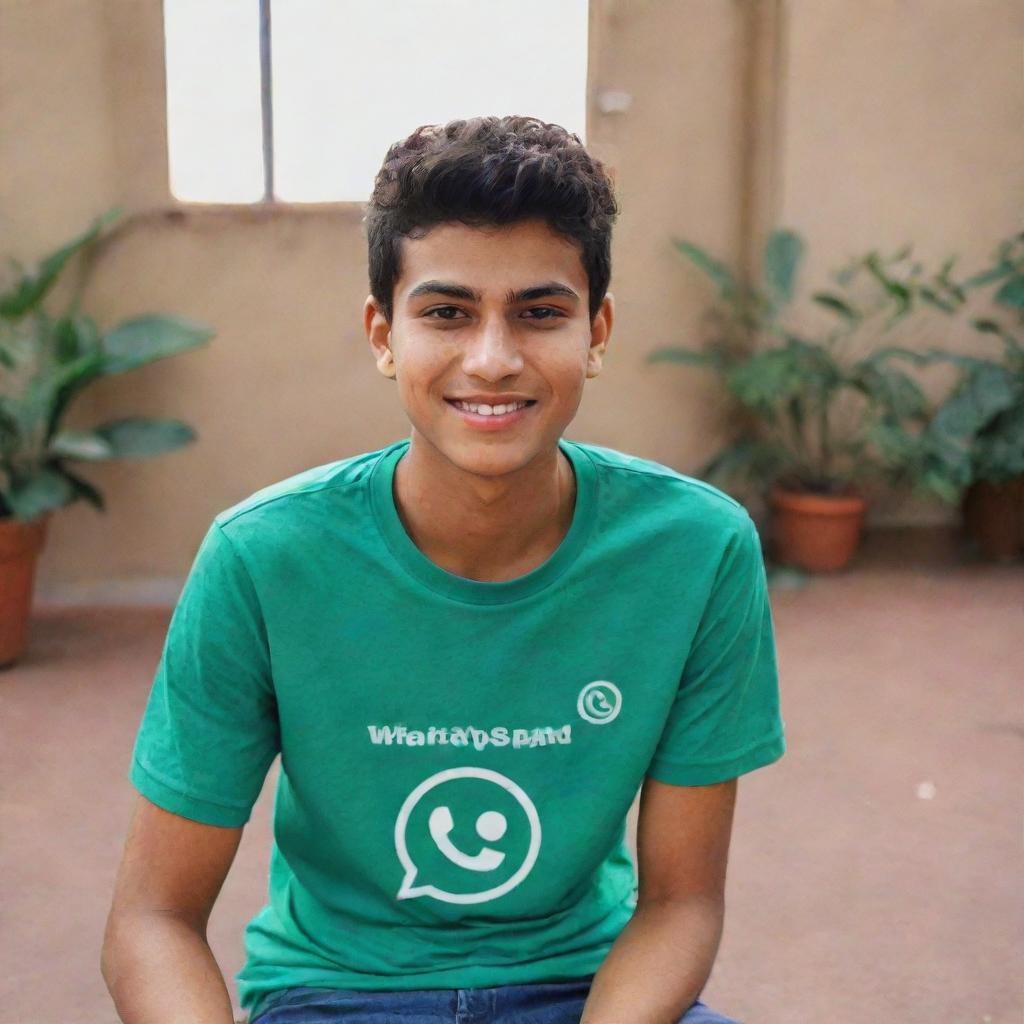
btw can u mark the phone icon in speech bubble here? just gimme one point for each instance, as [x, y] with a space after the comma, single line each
[491, 826]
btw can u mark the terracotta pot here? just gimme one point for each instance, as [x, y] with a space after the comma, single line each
[20, 544]
[816, 532]
[994, 517]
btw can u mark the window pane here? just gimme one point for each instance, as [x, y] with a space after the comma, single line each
[214, 134]
[352, 76]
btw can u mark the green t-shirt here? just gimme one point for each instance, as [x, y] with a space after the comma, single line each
[457, 757]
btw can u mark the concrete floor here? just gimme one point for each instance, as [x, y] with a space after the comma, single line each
[874, 873]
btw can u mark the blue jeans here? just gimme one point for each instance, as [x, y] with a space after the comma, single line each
[555, 1002]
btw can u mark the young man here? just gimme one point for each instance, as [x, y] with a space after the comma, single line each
[471, 648]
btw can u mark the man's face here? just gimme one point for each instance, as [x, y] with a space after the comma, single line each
[486, 344]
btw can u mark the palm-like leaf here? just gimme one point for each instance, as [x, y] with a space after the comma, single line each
[31, 287]
[782, 257]
[718, 272]
[132, 437]
[144, 339]
[53, 360]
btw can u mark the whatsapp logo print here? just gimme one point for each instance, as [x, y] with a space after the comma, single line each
[466, 835]
[599, 702]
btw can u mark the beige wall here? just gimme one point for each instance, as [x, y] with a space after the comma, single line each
[897, 120]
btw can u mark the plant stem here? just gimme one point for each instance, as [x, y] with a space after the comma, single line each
[799, 435]
[826, 450]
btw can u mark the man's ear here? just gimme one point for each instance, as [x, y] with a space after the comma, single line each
[600, 333]
[378, 332]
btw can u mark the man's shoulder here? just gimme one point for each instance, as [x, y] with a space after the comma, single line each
[283, 496]
[626, 473]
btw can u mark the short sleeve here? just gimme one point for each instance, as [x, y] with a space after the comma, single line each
[725, 719]
[210, 728]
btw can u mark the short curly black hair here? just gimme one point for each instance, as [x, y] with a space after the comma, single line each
[490, 171]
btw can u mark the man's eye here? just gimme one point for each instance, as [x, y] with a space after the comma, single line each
[442, 309]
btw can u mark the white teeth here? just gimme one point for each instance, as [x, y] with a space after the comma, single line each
[490, 410]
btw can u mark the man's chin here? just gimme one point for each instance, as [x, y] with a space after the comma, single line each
[485, 456]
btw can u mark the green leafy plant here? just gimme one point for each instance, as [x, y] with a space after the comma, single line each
[46, 360]
[811, 413]
[977, 432]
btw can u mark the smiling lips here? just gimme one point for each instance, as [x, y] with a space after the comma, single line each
[490, 417]
[489, 410]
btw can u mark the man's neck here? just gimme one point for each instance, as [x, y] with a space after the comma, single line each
[486, 529]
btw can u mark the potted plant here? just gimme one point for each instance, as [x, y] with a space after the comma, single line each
[812, 420]
[972, 450]
[45, 361]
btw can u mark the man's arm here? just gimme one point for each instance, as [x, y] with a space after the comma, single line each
[155, 959]
[662, 959]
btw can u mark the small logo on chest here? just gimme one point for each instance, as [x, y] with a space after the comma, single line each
[599, 702]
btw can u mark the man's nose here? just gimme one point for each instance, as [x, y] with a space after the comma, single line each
[492, 352]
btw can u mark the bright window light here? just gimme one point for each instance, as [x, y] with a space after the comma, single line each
[214, 135]
[350, 77]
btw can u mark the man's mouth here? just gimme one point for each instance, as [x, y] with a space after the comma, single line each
[482, 409]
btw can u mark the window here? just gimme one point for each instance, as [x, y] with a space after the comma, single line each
[298, 100]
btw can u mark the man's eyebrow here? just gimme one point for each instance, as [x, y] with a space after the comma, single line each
[459, 291]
